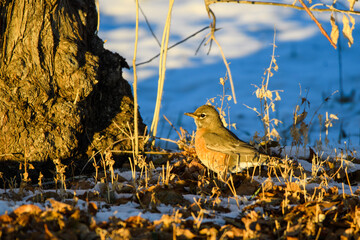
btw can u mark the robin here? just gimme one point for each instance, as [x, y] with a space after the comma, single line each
[218, 148]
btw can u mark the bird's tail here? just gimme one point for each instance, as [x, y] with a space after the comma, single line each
[244, 161]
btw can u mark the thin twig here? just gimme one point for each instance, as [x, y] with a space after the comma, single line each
[212, 38]
[227, 68]
[167, 140]
[172, 126]
[129, 152]
[198, 48]
[348, 180]
[323, 102]
[136, 130]
[149, 26]
[172, 46]
[322, 30]
[98, 15]
[208, 2]
[162, 70]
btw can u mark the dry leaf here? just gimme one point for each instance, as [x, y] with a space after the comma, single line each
[234, 232]
[334, 30]
[136, 221]
[351, 3]
[28, 208]
[122, 233]
[293, 231]
[269, 94]
[222, 82]
[59, 206]
[347, 30]
[272, 106]
[92, 208]
[48, 233]
[258, 93]
[54, 216]
[186, 233]
[278, 98]
[166, 221]
[301, 117]
[276, 121]
[266, 119]
[333, 116]
[5, 219]
[211, 233]
[276, 67]
[76, 215]
[293, 187]
[275, 133]
[333, 190]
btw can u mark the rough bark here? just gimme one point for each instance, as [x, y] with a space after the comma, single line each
[61, 93]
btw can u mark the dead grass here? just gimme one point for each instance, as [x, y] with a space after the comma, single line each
[281, 200]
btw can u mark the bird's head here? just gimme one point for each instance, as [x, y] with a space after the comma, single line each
[206, 116]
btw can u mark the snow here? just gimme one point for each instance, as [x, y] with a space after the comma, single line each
[307, 64]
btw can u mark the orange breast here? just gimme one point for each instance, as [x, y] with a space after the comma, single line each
[216, 161]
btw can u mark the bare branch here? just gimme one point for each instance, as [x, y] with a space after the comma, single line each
[322, 30]
[332, 9]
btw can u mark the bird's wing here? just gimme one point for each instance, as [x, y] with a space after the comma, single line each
[227, 143]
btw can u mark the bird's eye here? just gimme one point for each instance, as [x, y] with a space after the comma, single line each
[202, 116]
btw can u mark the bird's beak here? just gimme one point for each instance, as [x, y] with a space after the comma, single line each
[190, 115]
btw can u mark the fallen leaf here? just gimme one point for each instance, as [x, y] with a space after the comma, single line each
[92, 208]
[48, 233]
[185, 232]
[165, 221]
[59, 206]
[122, 233]
[136, 221]
[5, 218]
[210, 233]
[27, 208]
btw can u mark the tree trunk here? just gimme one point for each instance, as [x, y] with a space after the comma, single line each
[61, 93]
